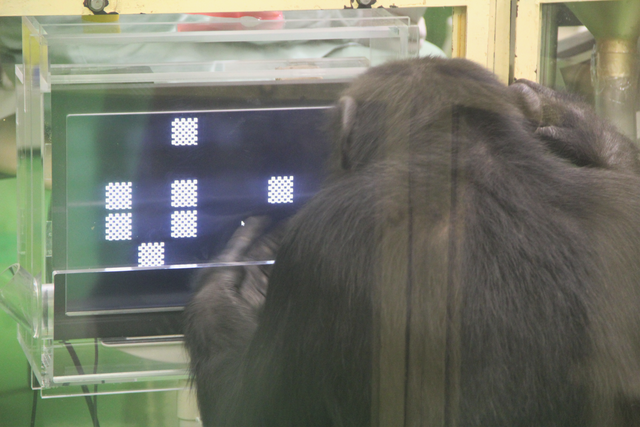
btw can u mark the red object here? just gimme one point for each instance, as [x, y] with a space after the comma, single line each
[276, 19]
[259, 15]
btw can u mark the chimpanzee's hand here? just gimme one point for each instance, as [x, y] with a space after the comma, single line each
[222, 316]
[248, 243]
[571, 129]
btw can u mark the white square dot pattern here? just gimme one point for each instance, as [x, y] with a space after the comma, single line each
[184, 193]
[151, 254]
[184, 131]
[280, 189]
[118, 195]
[184, 224]
[118, 226]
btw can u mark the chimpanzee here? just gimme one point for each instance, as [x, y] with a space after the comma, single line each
[472, 260]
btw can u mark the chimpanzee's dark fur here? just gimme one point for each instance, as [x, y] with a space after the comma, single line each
[511, 219]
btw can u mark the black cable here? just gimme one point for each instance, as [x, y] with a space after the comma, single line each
[452, 343]
[95, 371]
[34, 408]
[34, 403]
[409, 285]
[85, 389]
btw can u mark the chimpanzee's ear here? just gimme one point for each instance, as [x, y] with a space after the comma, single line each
[348, 109]
[528, 101]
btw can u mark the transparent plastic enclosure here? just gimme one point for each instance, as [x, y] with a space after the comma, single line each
[143, 144]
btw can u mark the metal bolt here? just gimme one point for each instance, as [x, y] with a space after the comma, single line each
[96, 6]
[365, 3]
